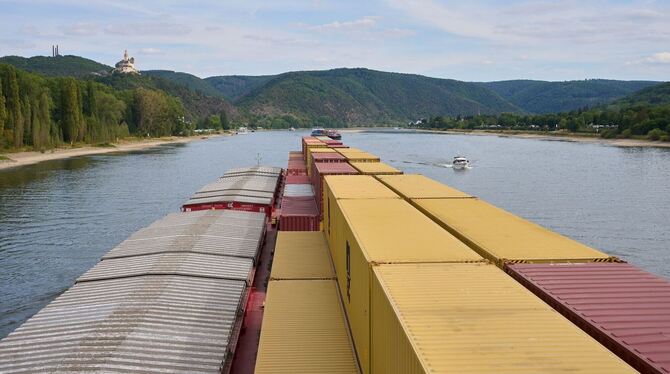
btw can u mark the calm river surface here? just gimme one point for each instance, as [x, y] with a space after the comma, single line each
[58, 218]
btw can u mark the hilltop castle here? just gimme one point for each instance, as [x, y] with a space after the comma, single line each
[126, 66]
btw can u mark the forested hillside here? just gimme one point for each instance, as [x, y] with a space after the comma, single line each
[362, 97]
[645, 114]
[43, 112]
[553, 97]
[188, 80]
[60, 66]
[234, 87]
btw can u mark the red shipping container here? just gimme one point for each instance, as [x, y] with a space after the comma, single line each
[320, 169]
[623, 307]
[297, 179]
[327, 157]
[299, 214]
[231, 205]
[296, 167]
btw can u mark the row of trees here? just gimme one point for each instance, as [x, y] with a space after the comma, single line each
[41, 112]
[624, 121]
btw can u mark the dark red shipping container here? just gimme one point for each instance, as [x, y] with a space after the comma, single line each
[231, 205]
[299, 214]
[623, 307]
[297, 179]
[296, 167]
[320, 169]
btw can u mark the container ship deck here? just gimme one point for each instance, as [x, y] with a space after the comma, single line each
[340, 263]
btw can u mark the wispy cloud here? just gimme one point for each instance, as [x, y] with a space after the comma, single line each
[361, 23]
[656, 58]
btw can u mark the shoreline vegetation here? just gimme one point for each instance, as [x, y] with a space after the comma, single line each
[23, 158]
[563, 136]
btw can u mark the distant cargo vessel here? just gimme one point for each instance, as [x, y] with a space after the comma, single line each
[333, 134]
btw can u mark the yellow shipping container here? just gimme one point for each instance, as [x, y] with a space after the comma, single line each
[301, 255]
[416, 186]
[502, 236]
[473, 318]
[349, 187]
[307, 147]
[347, 150]
[374, 168]
[360, 157]
[317, 149]
[304, 330]
[376, 231]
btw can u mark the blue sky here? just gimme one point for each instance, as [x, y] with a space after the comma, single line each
[466, 40]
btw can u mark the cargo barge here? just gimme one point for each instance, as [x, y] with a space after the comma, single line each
[340, 263]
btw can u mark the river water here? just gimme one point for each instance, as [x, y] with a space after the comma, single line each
[58, 218]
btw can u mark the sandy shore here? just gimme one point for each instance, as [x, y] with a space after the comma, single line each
[563, 138]
[568, 138]
[29, 158]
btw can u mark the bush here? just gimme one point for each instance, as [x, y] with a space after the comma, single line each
[625, 133]
[656, 134]
[608, 134]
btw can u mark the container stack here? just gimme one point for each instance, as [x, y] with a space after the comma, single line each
[168, 299]
[304, 327]
[423, 292]
[249, 189]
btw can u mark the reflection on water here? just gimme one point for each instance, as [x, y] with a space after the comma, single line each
[58, 218]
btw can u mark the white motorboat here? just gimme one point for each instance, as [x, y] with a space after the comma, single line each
[242, 131]
[460, 163]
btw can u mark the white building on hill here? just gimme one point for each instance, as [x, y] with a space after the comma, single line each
[126, 66]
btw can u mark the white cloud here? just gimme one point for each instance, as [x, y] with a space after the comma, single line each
[150, 51]
[141, 29]
[80, 29]
[361, 23]
[656, 58]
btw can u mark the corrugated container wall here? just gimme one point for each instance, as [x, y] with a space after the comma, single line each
[416, 186]
[623, 307]
[299, 214]
[375, 168]
[473, 318]
[376, 231]
[304, 330]
[301, 255]
[297, 179]
[312, 151]
[328, 168]
[504, 237]
[348, 187]
[352, 156]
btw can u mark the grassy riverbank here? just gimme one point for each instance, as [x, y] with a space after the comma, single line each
[15, 159]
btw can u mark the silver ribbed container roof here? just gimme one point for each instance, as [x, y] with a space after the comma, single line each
[230, 199]
[249, 193]
[295, 190]
[175, 263]
[255, 169]
[236, 217]
[242, 183]
[221, 246]
[148, 324]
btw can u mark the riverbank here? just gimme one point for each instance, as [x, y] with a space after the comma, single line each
[578, 138]
[562, 137]
[11, 160]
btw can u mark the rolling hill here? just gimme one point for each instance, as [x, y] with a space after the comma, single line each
[367, 97]
[59, 66]
[188, 80]
[655, 95]
[552, 97]
[234, 87]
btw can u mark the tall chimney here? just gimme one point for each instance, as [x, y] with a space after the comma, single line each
[57, 52]
[53, 51]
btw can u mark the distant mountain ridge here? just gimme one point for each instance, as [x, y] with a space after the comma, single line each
[366, 97]
[552, 97]
[346, 97]
[69, 65]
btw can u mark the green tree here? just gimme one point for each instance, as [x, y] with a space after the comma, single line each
[70, 109]
[225, 125]
[3, 113]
